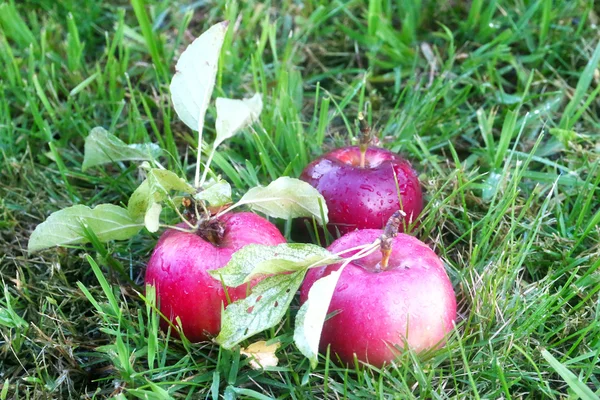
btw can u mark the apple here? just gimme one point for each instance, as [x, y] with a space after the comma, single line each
[361, 197]
[180, 261]
[381, 310]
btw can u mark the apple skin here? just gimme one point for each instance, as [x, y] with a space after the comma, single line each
[363, 198]
[178, 269]
[413, 299]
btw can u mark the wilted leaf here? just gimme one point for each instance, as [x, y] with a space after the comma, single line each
[287, 198]
[66, 227]
[256, 259]
[261, 354]
[234, 115]
[216, 194]
[103, 147]
[262, 309]
[196, 71]
[311, 316]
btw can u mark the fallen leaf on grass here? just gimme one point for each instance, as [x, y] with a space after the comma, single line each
[261, 355]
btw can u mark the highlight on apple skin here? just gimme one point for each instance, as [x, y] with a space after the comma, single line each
[364, 197]
[179, 264]
[379, 312]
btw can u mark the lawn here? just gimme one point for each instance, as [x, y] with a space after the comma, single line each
[495, 103]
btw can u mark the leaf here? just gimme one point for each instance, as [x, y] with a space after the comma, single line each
[261, 354]
[216, 194]
[254, 260]
[152, 217]
[287, 198]
[103, 147]
[311, 316]
[262, 309]
[234, 115]
[162, 181]
[196, 70]
[65, 227]
[144, 203]
[580, 388]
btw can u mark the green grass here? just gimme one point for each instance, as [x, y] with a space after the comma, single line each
[496, 103]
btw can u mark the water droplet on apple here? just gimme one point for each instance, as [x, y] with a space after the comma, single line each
[367, 187]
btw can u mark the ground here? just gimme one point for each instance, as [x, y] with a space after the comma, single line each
[495, 103]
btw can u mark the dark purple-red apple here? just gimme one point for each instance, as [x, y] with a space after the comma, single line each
[411, 302]
[365, 197]
[179, 264]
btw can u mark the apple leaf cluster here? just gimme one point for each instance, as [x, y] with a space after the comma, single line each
[191, 90]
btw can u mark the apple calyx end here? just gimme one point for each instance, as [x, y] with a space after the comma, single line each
[212, 230]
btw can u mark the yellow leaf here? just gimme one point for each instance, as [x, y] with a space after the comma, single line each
[261, 354]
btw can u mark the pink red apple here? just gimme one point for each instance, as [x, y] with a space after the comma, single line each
[377, 311]
[365, 197]
[179, 264]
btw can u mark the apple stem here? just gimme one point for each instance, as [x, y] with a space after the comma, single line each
[365, 138]
[363, 152]
[389, 233]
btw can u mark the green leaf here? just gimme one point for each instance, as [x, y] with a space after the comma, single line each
[262, 309]
[580, 388]
[103, 147]
[216, 194]
[234, 115]
[255, 260]
[144, 203]
[152, 217]
[66, 227]
[162, 181]
[311, 316]
[194, 80]
[287, 198]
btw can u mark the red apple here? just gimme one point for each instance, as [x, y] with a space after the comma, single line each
[179, 264]
[364, 197]
[410, 302]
